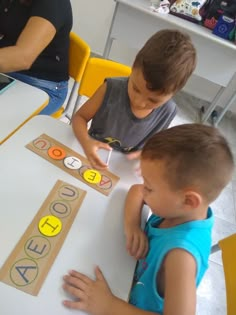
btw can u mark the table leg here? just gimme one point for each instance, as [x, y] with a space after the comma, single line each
[212, 106]
[211, 110]
[224, 110]
[110, 39]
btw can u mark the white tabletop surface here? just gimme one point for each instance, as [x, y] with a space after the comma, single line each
[17, 104]
[96, 236]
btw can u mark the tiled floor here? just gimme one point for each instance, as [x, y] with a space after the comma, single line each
[211, 292]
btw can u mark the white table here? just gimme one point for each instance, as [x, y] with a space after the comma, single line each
[18, 104]
[96, 236]
[133, 23]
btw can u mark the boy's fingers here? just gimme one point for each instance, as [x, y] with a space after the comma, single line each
[104, 146]
[135, 245]
[97, 163]
[143, 249]
[140, 252]
[134, 155]
[80, 276]
[99, 274]
[129, 239]
[78, 305]
[74, 291]
[75, 283]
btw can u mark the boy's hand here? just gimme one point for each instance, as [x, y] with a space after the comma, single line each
[92, 296]
[136, 242]
[91, 148]
[134, 155]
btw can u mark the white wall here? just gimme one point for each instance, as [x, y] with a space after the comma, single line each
[92, 21]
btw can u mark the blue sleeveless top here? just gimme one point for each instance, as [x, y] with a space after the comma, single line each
[194, 237]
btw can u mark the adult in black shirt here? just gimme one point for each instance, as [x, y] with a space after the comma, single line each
[34, 45]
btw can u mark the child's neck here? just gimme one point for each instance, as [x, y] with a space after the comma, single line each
[141, 113]
[196, 216]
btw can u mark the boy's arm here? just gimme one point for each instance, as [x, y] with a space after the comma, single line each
[136, 240]
[179, 283]
[79, 125]
[95, 297]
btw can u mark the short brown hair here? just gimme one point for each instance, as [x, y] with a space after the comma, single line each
[167, 60]
[195, 156]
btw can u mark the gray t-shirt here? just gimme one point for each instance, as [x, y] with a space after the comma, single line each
[114, 122]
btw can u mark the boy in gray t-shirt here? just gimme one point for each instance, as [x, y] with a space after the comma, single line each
[127, 111]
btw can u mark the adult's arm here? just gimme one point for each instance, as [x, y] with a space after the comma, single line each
[34, 38]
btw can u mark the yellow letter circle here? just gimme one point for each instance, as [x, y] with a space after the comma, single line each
[92, 176]
[50, 225]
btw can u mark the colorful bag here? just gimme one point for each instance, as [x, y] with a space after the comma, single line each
[188, 9]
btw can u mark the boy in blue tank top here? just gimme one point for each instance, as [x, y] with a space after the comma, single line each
[184, 169]
[125, 112]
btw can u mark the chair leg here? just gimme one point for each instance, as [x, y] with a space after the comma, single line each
[215, 248]
[73, 94]
[77, 102]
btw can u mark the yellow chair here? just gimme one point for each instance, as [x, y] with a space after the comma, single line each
[97, 69]
[228, 250]
[228, 253]
[79, 53]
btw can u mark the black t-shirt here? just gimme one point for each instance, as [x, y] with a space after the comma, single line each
[52, 63]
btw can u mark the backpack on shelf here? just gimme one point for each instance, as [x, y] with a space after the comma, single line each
[212, 10]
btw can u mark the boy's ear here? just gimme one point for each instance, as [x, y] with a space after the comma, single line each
[192, 200]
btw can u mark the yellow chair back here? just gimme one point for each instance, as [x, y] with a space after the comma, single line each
[228, 251]
[96, 71]
[79, 53]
